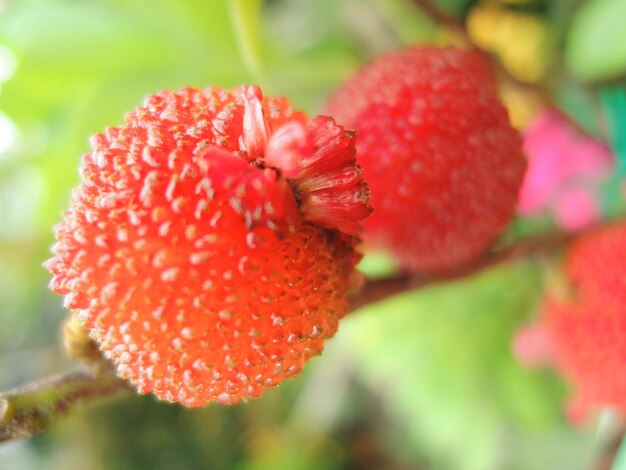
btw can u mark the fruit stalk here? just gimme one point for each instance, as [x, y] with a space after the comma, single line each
[439, 16]
[541, 245]
[33, 408]
[442, 18]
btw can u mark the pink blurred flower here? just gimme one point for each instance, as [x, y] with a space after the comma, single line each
[532, 346]
[576, 208]
[565, 170]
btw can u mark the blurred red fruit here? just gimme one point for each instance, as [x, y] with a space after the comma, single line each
[438, 151]
[587, 331]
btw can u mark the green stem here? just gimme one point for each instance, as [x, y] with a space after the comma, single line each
[540, 245]
[244, 17]
[30, 410]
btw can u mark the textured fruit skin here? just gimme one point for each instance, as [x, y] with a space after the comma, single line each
[190, 262]
[587, 329]
[442, 161]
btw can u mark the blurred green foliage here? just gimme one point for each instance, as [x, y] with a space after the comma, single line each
[424, 380]
[458, 391]
[596, 47]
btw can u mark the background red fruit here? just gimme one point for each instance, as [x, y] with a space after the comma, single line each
[191, 262]
[442, 161]
[586, 330]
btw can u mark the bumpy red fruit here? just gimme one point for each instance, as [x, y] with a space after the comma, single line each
[587, 329]
[200, 250]
[443, 163]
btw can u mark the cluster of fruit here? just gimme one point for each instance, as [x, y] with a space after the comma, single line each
[211, 246]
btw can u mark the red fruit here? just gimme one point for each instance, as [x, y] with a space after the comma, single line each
[209, 247]
[443, 163]
[587, 331]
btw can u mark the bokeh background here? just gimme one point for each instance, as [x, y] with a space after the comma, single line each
[425, 380]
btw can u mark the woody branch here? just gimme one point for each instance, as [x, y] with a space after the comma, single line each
[31, 409]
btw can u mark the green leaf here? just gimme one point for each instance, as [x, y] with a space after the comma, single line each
[377, 264]
[614, 105]
[596, 44]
